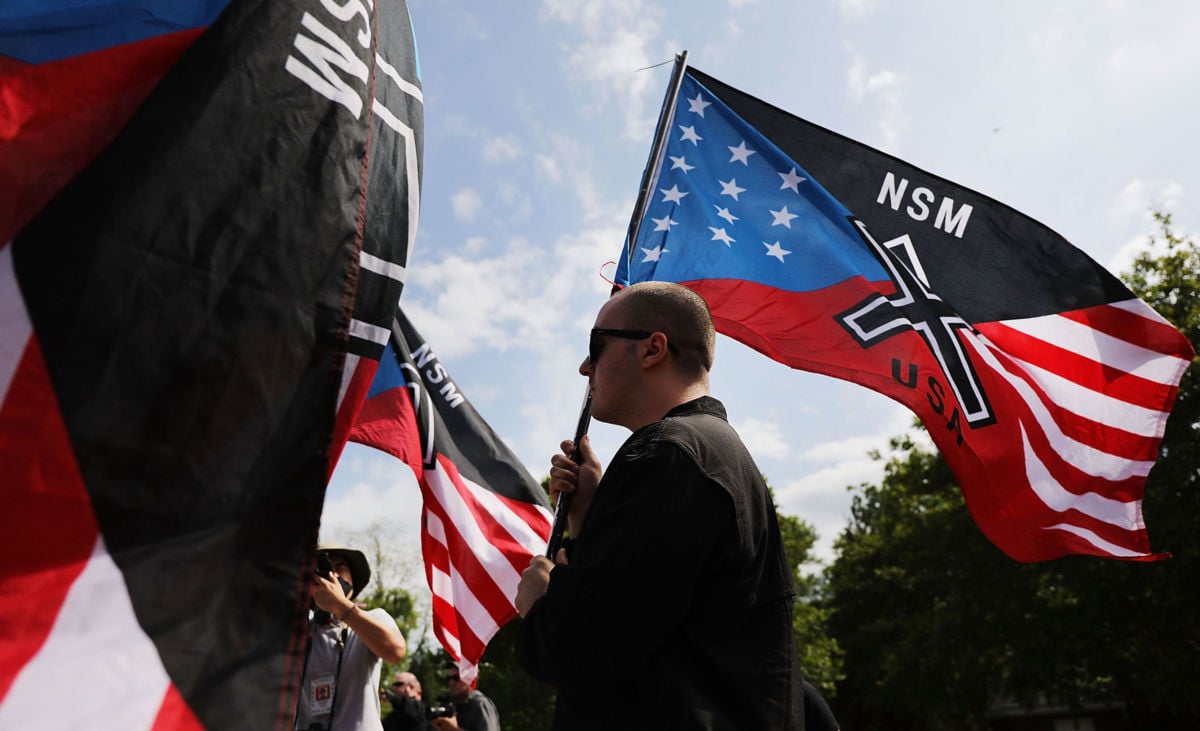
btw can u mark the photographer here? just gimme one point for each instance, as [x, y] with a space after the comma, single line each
[347, 645]
[472, 710]
[408, 709]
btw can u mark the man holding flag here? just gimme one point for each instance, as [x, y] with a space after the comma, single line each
[705, 634]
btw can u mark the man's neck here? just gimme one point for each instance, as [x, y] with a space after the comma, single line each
[654, 409]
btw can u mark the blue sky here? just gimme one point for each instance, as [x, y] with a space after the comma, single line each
[538, 122]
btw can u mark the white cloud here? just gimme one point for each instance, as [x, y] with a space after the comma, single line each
[1132, 209]
[570, 161]
[501, 149]
[762, 438]
[856, 8]
[466, 204]
[819, 497]
[883, 92]
[548, 167]
[528, 303]
[616, 40]
[518, 204]
[475, 245]
[388, 492]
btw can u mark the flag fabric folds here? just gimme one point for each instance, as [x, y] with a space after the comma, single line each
[1044, 382]
[206, 224]
[483, 515]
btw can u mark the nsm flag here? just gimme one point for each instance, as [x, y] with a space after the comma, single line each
[1042, 379]
[206, 209]
[483, 515]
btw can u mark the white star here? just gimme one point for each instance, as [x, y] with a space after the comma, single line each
[665, 223]
[673, 195]
[698, 104]
[720, 235]
[782, 217]
[724, 213]
[679, 163]
[774, 250]
[654, 254]
[791, 180]
[731, 188]
[689, 133]
[741, 153]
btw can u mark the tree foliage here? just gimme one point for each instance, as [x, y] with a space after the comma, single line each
[936, 624]
[820, 656]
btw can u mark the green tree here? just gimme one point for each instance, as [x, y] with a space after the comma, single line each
[936, 623]
[1157, 666]
[820, 656]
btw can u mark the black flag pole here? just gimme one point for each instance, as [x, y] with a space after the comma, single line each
[564, 501]
[649, 174]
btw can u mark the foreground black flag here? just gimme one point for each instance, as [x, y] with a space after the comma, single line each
[176, 325]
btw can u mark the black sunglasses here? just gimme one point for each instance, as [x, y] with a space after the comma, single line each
[596, 345]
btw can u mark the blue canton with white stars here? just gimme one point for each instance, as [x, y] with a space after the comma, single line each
[729, 204]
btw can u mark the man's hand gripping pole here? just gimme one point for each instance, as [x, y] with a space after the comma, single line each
[564, 499]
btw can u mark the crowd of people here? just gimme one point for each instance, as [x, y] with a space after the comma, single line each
[670, 603]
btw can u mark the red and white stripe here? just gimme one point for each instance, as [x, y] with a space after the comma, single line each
[476, 544]
[1091, 391]
[66, 612]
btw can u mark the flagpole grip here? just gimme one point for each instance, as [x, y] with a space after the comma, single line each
[564, 500]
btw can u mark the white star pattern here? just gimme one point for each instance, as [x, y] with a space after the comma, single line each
[782, 217]
[656, 253]
[791, 180]
[760, 200]
[674, 195]
[720, 235]
[774, 250]
[680, 163]
[730, 188]
[741, 153]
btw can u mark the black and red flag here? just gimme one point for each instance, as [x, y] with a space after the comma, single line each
[1043, 380]
[483, 515]
[207, 213]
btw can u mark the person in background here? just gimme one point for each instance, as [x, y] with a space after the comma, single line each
[408, 708]
[818, 716]
[347, 646]
[473, 710]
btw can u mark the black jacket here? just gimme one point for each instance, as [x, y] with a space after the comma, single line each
[675, 609]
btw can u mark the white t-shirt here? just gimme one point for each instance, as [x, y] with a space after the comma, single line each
[351, 692]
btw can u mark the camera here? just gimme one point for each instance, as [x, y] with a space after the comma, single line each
[324, 568]
[324, 565]
[445, 710]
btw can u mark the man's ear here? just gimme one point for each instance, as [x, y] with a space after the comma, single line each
[655, 350]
